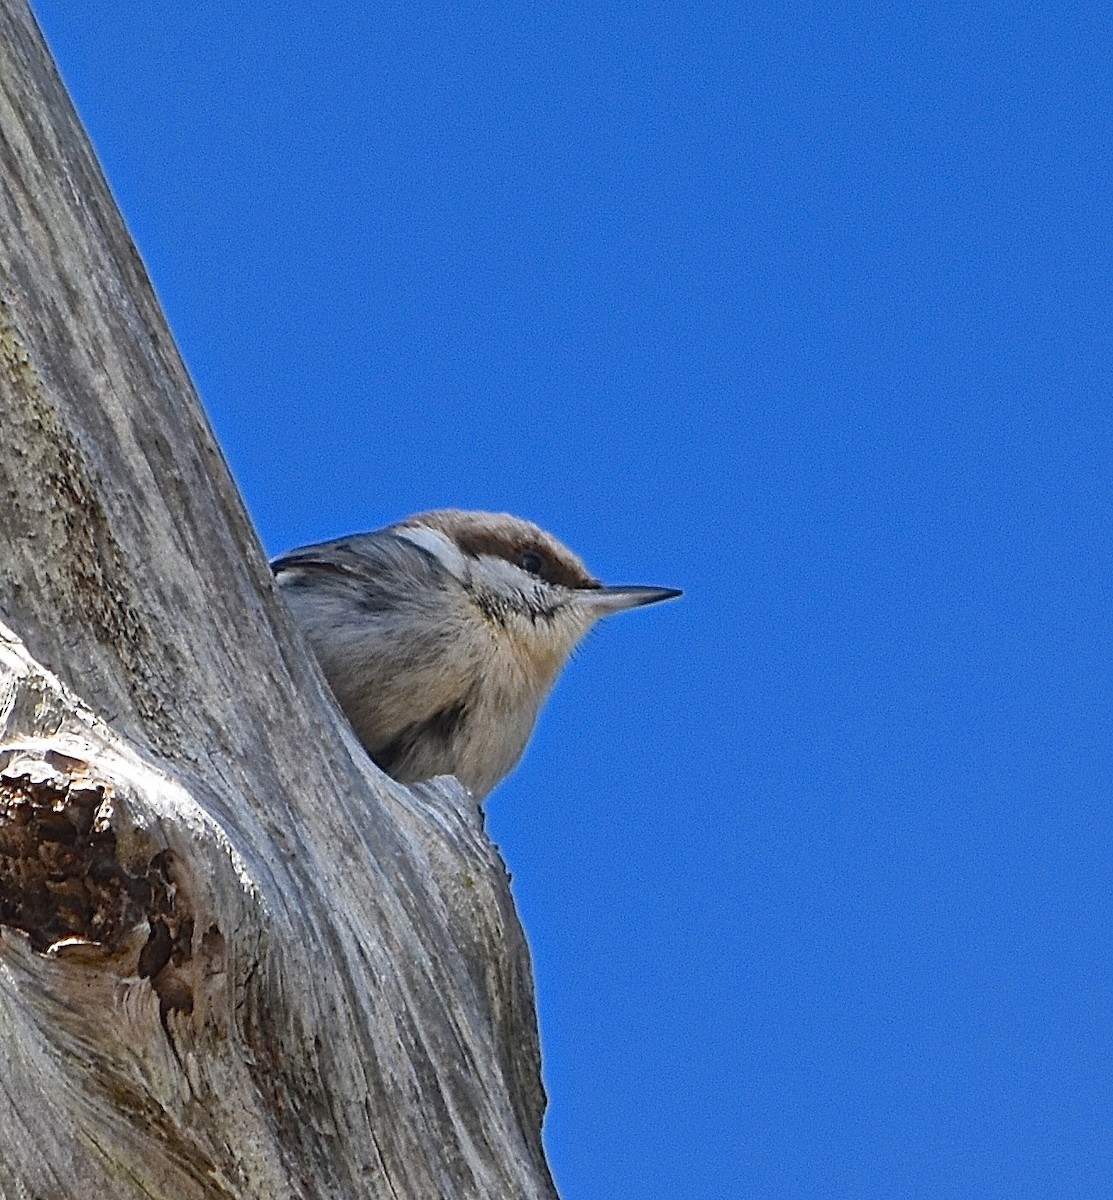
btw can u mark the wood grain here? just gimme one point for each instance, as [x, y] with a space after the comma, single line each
[235, 959]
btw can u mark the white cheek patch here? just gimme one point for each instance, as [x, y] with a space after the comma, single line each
[502, 576]
[445, 551]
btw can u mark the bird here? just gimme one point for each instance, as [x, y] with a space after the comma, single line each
[442, 635]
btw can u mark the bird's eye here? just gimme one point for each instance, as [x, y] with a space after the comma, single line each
[530, 562]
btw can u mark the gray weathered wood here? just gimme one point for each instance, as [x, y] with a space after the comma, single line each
[235, 959]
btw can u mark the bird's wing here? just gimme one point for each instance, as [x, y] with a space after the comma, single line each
[369, 558]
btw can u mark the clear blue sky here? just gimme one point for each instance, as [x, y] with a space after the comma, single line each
[804, 309]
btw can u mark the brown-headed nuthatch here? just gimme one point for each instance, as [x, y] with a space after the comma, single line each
[442, 635]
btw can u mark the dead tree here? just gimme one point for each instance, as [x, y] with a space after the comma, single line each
[235, 959]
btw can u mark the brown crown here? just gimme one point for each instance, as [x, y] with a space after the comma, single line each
[503, 536]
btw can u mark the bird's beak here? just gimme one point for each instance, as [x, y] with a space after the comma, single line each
[604, 600]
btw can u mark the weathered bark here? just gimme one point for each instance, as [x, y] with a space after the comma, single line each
[235, 959]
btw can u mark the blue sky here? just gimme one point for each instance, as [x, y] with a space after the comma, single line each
[804, 309]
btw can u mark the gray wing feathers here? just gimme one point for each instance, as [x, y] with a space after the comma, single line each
[379, 564]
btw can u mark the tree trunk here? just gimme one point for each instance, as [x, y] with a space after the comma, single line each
[235, 959]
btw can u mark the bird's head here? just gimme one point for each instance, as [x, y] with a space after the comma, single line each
[538, 594]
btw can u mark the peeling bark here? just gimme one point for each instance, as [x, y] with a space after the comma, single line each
[235, 959]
